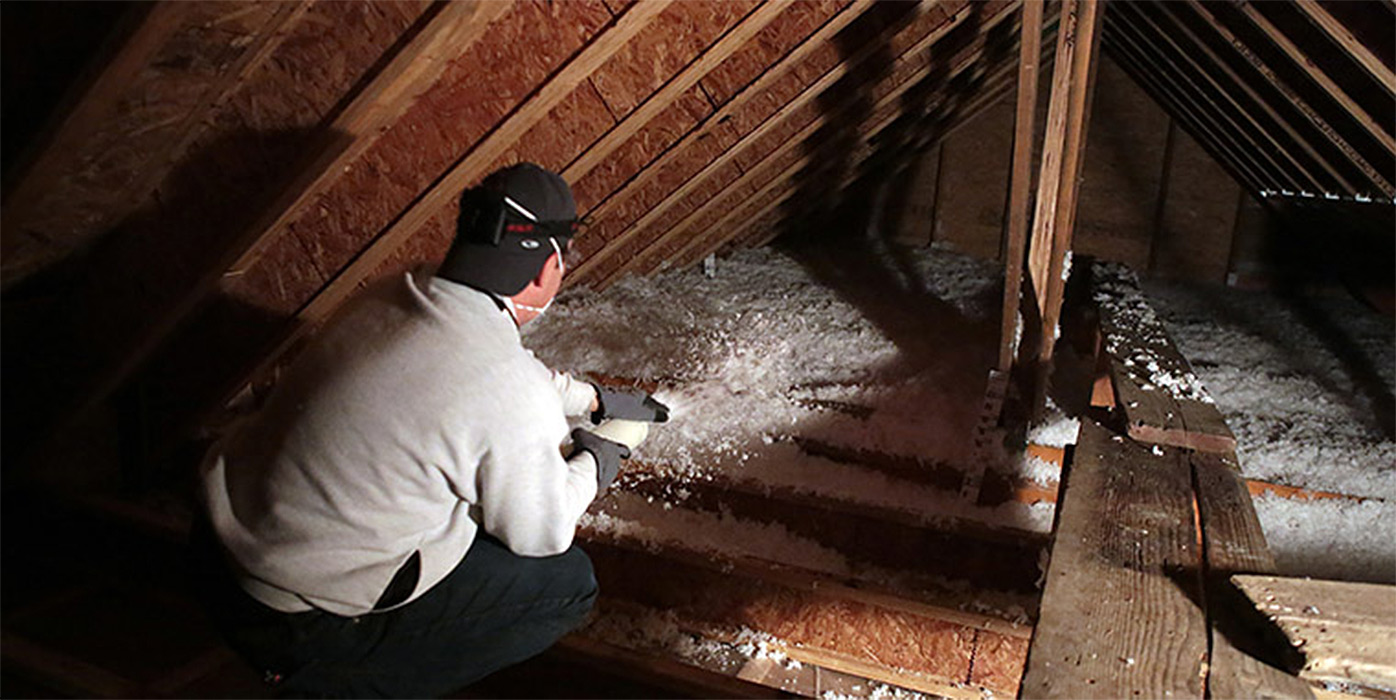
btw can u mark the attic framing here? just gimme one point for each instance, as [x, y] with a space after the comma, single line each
[238, 171]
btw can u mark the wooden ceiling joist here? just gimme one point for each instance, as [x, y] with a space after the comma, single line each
[1226, 119]
[810, 94]
[1294, 101]
[1382, 134]
[595, 261]
[1235, 86]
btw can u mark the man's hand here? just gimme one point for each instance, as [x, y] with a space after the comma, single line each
[607, 453]
[634, 406]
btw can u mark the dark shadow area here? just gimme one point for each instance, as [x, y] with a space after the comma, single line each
[839, 233]
[49, 53]
[1322, 246]
[69, 327]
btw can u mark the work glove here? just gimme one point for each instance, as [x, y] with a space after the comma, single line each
[630, 405]
[607, 453]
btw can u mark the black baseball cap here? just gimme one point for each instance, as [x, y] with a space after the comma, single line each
[508, 226]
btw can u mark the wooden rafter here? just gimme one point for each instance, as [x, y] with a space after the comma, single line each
[786, 186]
[1024, 121]
[86, 116]
[1382, 134]
[1377, 179]
[1224, 117]
[1063, 143]
[712, 57]
[813, 91]
[1225, 153]
[390, 94]
[469, 168]
[703, 130]
[740, 220]
[1349, 43]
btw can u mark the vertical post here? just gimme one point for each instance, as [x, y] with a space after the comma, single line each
[1030, 51]
[1063, 143]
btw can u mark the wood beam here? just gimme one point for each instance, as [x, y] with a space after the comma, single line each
[735, 224]
[1220, 151]
[738, 221]
[813, 91]
[1118, 615]
[1378, 180]
[593, 262]
[1290, 171]
[1020, 181]
[353, 131]
[1345, 630]
[1383, 135]
[1349, 43]
[1063, 143]
[1215, 126]
[82, 119]
[730, 42]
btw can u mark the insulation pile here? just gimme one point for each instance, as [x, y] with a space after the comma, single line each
[774, 349]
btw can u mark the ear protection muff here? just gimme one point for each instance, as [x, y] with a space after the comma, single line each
[482, 215]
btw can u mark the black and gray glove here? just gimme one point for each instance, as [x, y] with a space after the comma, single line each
[607, 454]
[629, 405]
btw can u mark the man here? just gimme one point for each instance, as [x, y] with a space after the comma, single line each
[398, 519]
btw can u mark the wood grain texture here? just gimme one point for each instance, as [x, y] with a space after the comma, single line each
[1120, 616]
[1346, 631]
[1381, 181]
[1020, 180]
[794, 153]
[1344, 37]
[1155, 387]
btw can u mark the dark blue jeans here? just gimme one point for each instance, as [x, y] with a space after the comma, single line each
[493, 610]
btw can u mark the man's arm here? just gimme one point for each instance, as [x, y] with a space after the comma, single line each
[578, 397]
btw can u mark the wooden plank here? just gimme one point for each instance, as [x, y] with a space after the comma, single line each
[1344, 38]
[63, 672]
[868, 129]
[690, 676]
[1377, 179]
[1118, 615]
[484, 155]
[1346, 631]
[1233, 542]
[1020, 181]
[83, 118]
[895, 645]
[811, 92]
[1162, 399]
[1382, 134]
[656, 103]
[390, 94]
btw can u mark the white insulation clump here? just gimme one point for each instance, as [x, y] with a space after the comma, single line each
[1300, 386]
[889, 354]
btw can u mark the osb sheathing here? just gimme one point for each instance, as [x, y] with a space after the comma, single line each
[875, 80]
[197, 42]
[241, 151]
[476, 92]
